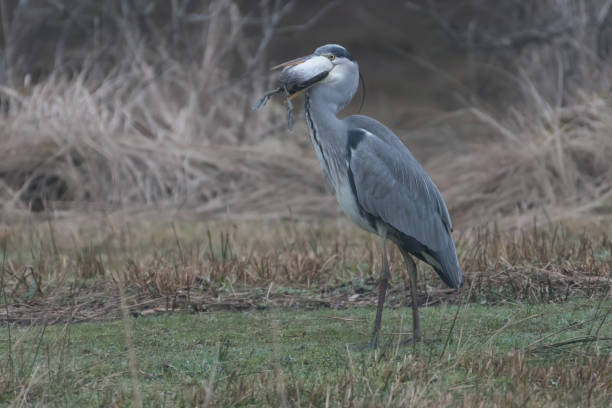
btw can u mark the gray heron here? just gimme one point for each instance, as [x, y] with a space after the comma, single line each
[378, 183]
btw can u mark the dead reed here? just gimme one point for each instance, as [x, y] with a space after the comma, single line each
[554, 164]
[161, 129]
[148, 117]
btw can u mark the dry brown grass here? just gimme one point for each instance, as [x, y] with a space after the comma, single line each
[549, 148]
[155, 131]
[552, 164]
[258, 265]
[161, 121]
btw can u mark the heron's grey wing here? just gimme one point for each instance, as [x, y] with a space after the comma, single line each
[385, 134]
[373, 126]
[391, 186]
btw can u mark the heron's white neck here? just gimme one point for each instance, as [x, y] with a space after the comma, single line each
[328, 135]
[330, 130]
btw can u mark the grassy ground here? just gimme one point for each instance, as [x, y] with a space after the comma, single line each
[530, 355]
[275, 314]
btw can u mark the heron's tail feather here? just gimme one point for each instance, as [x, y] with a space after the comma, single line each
[444, 262]
[450, 273]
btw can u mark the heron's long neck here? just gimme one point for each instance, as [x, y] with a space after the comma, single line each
[326, 134]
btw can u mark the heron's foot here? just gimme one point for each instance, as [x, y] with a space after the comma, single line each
[419, 339]
[371, 345]
[382, 346]
[373, 342]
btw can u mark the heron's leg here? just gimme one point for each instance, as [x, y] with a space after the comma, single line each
[382, 291]
[412, 271]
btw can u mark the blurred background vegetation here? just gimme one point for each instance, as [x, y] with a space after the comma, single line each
[145, 106]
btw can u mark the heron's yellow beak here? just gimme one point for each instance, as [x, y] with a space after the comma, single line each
[293, 62]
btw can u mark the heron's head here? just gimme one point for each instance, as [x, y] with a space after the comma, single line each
[331, 74]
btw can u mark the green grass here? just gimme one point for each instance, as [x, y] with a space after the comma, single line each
[127, 313]
[242, 358]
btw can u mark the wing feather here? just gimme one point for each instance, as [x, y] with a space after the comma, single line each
[391, 185]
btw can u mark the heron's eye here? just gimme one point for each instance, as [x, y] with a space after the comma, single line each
[331, 57]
